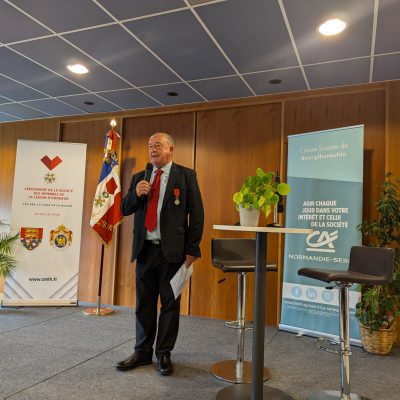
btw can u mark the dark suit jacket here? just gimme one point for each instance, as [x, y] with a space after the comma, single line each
[181, 225]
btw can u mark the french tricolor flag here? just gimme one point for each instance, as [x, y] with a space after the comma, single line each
[106, 213]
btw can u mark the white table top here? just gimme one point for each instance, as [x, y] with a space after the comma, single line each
[268, 229]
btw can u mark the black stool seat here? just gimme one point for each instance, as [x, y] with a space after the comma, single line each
[241, 266]
[331, 275]
[236, 255]
[368, 265]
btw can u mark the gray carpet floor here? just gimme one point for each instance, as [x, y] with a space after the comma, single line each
[59, 353]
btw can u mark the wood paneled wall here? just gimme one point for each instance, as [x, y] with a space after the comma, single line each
[231, 144]
[224, 141]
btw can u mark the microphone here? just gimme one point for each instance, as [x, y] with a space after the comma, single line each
[148, 171]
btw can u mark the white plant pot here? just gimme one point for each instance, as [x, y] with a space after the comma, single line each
[249, 216]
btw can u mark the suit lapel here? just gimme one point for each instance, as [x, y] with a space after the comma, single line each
[170, 184]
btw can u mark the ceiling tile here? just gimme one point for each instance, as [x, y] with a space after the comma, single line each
[11, 18]
[292, 80]
[222, 88]
[114, 47]
[387, 67]
[129, 98]
[340, 73]
[54, 107]
[181, 42]
[20, 111]
[16, 91]
[62, 16]
[387, 32]
[17, 67]
[185, 94]
[354, 41]
[56, 54]
[123, 9]
[252, 33]
[100, 105]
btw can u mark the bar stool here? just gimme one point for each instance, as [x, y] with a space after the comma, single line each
[236, 255]
[368, 265]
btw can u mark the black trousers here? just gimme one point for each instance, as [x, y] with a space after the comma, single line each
[153, 275]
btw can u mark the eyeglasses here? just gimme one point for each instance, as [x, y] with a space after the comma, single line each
[156, 146]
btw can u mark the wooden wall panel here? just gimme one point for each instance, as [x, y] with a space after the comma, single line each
[10, 133]
[231, 144]
[346, 110]
[135, 156]
[393, 142]
[93, 134]
[393, 129]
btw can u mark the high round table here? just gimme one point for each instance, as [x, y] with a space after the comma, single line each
[256, 390]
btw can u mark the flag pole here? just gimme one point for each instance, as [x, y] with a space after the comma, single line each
[99, 310]
[104, 194]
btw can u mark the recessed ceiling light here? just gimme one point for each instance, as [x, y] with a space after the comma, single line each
[332, 27]
[172, 94]
[275, 81]
[77, 69]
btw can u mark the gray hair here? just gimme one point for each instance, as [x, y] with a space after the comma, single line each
[167, 137]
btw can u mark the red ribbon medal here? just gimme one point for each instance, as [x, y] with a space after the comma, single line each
[177, 193]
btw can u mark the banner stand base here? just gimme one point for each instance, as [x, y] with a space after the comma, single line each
[97, 311]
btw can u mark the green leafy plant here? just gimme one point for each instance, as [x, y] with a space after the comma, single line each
[260, 191]
[380, 305]
[7, 261]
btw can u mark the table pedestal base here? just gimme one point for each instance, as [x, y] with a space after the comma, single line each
[243, 392]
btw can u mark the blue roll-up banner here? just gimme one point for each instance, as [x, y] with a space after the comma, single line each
[325, 172]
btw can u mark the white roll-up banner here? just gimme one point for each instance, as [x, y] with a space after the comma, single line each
[325, 172]
[47, 212]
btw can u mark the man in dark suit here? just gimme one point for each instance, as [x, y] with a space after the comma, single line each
[168, 226]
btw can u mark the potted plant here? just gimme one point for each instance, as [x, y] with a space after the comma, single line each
[7, 261]
[258, 193]
[380, 305]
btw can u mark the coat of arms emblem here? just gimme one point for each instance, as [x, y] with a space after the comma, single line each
[60, 237]
[31, 237]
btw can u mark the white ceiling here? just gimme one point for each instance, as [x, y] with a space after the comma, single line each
[139, 52]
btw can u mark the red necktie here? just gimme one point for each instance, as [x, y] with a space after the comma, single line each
[151, 214]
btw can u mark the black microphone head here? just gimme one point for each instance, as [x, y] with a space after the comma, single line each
[148, 171]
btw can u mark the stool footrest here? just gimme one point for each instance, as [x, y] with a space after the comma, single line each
[235, 325]
[235, 372]
[323, 343]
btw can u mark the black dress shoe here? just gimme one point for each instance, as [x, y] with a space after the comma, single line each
[165, 365]
[135, 360]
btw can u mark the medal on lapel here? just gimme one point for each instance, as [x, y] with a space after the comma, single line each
[177, 193]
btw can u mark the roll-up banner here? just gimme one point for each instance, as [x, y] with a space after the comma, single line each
[325, 172]
[47, 211]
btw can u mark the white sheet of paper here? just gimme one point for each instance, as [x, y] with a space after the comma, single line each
[179, 280]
